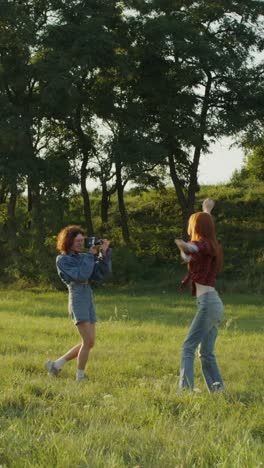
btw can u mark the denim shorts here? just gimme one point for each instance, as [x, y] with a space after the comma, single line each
[81, 306]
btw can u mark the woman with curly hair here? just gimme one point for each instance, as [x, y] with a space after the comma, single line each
[76, 269]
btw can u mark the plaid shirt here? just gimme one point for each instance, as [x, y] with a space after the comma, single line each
[202, 267]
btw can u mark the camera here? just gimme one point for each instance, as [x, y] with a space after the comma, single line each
[91, 241]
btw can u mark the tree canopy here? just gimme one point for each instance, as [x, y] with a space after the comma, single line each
[164, 77]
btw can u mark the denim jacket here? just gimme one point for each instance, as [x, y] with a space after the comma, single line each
[83, 266]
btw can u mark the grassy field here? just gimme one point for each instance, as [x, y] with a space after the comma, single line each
[128, 414]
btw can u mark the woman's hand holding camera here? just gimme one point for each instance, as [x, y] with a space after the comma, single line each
[102, 248]
[105, 245]
[94, 250]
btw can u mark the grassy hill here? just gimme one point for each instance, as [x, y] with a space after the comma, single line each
[155, 221]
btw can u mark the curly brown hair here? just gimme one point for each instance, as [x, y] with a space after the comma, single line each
[66, 237]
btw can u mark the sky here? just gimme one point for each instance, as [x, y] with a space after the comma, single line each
[218, 166]
[215, 167]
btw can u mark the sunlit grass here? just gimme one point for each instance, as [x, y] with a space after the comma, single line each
[128, 414]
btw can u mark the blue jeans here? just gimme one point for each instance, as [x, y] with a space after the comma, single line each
[203, 333]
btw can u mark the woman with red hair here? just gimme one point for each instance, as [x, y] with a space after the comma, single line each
[204, 257]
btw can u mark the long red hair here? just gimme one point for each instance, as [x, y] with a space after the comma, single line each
[201, 227]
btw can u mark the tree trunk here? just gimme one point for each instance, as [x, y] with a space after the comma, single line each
[29, 202]
[187, 201]
[11, 215]
[36, 220]
[85, 195]
[121, 204]
[85, 146]
[3, 191]
[104, 203]
[37, 214]
[198, 148]
[185, 209]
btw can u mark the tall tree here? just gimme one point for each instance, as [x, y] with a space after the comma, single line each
[132, 149]
[103, 170]
[192, 59]
[79, 44]
[21, 26]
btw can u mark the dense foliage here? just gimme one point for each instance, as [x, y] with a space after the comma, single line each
[253, 169]
[154, 222]
[121, 92]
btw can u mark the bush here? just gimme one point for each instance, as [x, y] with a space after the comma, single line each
[154, 221]
[126, 266]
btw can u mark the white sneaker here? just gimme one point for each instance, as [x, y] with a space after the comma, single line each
[52, 370]
[217, 387]
[82, 379]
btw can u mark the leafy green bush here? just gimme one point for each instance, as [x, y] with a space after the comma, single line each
[154, 221]
[126, 266]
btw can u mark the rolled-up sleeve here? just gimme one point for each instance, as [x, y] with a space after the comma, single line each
[103, 266]
[75, 268]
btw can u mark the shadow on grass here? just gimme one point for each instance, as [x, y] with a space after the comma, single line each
[168, 307]
[146, 303]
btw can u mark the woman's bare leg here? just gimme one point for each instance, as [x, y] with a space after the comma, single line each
[72, 353]
[87, 332]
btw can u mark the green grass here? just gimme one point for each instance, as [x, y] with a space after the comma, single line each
[128, 415]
